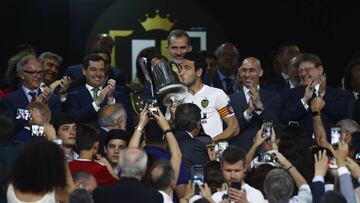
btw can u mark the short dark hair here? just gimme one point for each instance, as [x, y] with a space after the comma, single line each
[281, 49]
[199, 61]
[163, 180]
[208, 54]
[213, 175]
[86, 136]
[92, 57]
[187, 116]
[116, 134]
[233, 154]
[307, 57]
[62, 119]
[39, 168]
[104, 50]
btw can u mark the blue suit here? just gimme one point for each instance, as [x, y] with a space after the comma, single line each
[337, 107]
[272, 103]
[18, 99]
[79, 105]
[194, 152]
[216, 82]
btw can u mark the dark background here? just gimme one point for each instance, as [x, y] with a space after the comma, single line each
[328, 28]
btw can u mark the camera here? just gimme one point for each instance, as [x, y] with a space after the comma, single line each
[23, 114]
[266, 157]
[267, 129]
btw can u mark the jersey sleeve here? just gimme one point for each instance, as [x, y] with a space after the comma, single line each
[223, 105]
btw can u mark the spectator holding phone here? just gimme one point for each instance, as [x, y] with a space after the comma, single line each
[233, 168]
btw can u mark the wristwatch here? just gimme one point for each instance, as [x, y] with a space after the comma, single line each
[315, 113]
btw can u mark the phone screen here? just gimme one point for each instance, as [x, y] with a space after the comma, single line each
[220, 147]
[37, 130]
[335, 134]
[23, 114]
[332, 163]
[197, 177]
[267, 129]
[197, 174]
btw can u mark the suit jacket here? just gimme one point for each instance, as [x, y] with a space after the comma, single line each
[193, 151]
[79, 105]
[18, 99]
[272, 103]
[216, 82]
[337, 107]
[127, 190]
[317, 190]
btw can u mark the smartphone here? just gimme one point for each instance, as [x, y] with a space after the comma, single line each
[335, 134]
[332, 163]
[197, 177]
[267, 129]
[220, 147]
[23, 114]
[236, 185]
[37, 130]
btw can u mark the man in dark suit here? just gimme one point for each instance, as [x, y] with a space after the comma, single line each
[84, 102]
[129, 188]
[76, 74]
[30, 72]
[228, 61]
[253, 105]
[188, 126]
[313, 84]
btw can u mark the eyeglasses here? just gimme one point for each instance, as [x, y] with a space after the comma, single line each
[33, 73]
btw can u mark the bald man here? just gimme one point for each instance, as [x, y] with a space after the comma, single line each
[253, 105]
[227, 62]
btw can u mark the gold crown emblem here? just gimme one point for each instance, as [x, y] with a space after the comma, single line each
[157, 22]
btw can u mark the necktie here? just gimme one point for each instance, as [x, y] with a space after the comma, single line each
[229, 86]
[95, 91]
[33, 96]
